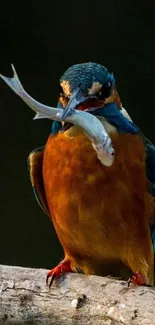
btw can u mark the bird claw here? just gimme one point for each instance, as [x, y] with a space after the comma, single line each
[58, 271]
[136, 279]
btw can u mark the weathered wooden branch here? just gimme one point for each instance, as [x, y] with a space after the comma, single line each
[77, 300]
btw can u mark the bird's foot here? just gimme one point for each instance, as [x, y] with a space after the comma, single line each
[136, 279]
[58, 271]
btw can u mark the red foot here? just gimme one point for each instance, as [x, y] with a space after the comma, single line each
[56, 272]
[136, 279]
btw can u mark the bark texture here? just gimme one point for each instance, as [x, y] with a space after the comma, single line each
[77, 300]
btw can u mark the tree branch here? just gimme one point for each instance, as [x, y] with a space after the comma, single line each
[77, 300]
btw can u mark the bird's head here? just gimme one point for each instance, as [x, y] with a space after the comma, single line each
[85, 86]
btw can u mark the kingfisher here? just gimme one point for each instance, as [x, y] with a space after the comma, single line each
[94, 178]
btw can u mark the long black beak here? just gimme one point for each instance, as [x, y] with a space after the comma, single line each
[76, 99]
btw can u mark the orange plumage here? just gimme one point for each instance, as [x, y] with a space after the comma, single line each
[101, 214]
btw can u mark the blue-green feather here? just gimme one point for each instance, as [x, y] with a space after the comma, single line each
[112, 114]
[83, 75]
[56, 125]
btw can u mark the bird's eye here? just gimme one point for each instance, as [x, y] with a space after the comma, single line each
[105, 91]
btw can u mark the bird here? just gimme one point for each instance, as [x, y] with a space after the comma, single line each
[112, 115]
[102, 214]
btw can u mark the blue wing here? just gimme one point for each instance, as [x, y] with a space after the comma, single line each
[115, 117]
[150, 163]
[150, 171]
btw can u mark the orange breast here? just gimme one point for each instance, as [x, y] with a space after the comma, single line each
[98, 212]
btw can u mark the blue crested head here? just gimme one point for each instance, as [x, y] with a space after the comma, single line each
[91, 78]
[83, 84]
[88, 86]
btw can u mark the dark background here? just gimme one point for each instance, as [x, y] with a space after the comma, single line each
[42, 39]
